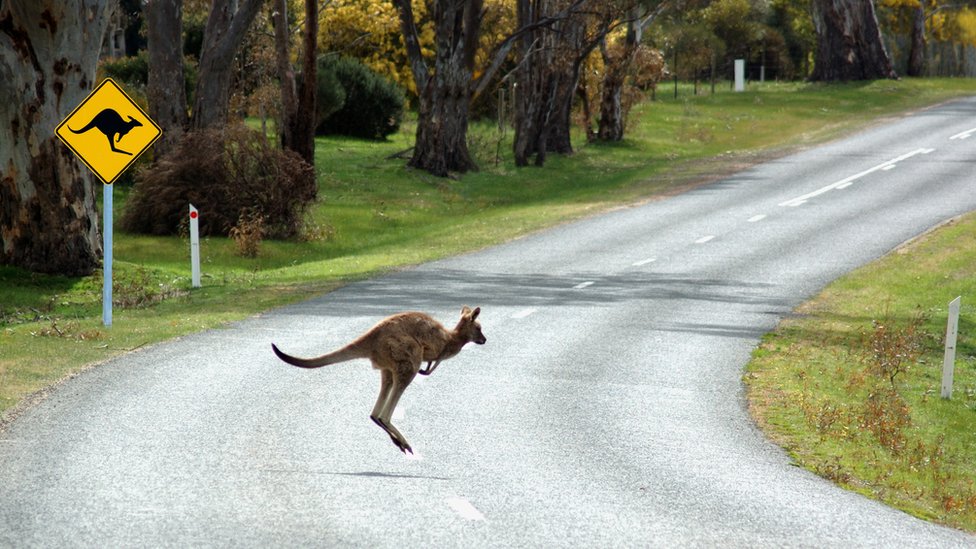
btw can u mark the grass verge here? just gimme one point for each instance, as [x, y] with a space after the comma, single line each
[376, 215]
[851, 385]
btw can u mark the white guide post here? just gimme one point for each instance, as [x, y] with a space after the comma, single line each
[195, 246]
[740, 75]
[948, 363]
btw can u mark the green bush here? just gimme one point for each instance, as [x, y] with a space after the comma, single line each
[331, 96]
[373, 106]
[133, 73]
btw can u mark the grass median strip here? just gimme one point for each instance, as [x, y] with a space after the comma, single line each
[851, 385]
[375, 215]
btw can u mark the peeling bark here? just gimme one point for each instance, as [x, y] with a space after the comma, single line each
[48, 221]
[849, 44]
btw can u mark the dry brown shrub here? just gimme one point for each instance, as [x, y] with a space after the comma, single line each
[226, 173]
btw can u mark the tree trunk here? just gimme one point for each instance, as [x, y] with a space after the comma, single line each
[916, 55]
[166, 88]
[445, 95]
[566, 80]
[849, 44]
[298, 106]
[48, 55]
[226, 27]
[286, 73]
[549, 75]
[533, 92]
[617, 62]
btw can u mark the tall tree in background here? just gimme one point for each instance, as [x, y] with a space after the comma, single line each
[617, 63]
[226, 26]
[444, 93]
[549, 70]
[849, 44]
[48, 221]
[916, 53]
[166, 88]
[298, 124]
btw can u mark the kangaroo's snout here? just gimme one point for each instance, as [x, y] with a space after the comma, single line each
[481, 340]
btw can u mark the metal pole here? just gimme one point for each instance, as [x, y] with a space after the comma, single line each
[107, 254]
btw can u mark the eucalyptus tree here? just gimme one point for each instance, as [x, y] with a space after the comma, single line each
[48, 221]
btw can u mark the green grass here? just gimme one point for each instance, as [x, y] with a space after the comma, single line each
[816, 390]
[376, 215]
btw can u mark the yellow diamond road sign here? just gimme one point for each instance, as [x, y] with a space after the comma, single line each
[108, 131]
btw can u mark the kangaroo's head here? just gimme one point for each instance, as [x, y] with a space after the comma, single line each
[469, 328]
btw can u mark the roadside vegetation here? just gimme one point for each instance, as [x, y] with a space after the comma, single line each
[374, 215]
[851, 385]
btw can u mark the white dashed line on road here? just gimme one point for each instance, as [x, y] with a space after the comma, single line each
[524, 313]
[847, 182]
[643, 262]
[963, 135]
[755, 218]
[464, 508]
[705, 239]
[582, 285]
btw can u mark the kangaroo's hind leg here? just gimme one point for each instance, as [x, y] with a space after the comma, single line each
[386, 388]
[402, 376]
[111, 143]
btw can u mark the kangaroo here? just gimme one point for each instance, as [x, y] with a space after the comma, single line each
[397, 346]
[111, 124]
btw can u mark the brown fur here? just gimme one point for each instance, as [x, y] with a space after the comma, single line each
[397, 346]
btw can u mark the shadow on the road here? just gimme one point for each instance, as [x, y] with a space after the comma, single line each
[427, 289]
[377, 474]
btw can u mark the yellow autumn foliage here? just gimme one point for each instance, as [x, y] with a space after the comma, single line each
[369, 30]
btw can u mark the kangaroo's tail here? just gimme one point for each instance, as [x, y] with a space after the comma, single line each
[83, 130]
[348, 352]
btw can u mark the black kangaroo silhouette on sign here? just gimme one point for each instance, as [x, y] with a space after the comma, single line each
[111, 124]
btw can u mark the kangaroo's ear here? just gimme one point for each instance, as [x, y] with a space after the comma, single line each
[475, 313]
[465, 311]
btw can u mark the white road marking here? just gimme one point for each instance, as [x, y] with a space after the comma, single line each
[582, 285]
[464, 508]
[846, 182]
[963, 135]
[705, 239]
[755, 218]
[889, 167]
[644, 262]
[524, 312]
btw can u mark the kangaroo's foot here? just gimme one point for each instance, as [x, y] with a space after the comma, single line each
[395, 436]
[431, 366]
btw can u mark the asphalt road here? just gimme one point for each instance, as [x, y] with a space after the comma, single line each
[606, 409]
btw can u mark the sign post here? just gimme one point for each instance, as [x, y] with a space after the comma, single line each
[949, 361]
[195, 246]
[107, 253]
[94, 132]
